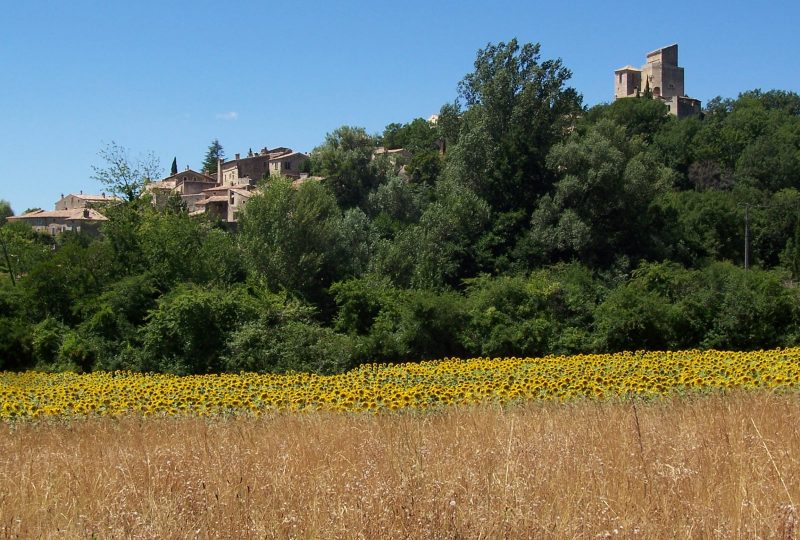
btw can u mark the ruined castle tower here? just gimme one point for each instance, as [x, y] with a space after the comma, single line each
[662, 77]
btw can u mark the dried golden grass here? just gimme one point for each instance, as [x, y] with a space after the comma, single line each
[698, 467]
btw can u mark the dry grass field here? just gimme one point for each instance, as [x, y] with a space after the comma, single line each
[713, 466]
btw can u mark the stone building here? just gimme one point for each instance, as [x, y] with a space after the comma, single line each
[224, 202]
[81, 200]
[188, 184]
[662, 77]
[248, 170]
[77, 212]
[223, 194]
[288, 164]
[243, 171]
[53, 222]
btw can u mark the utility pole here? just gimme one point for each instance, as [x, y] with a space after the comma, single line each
[747, 207]
[746, 236]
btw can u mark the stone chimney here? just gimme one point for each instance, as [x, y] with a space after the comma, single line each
[237, 157]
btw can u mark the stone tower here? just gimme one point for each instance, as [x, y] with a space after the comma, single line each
[662, 77]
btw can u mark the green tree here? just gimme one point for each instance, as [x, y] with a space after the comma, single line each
[188, 331]
[15, 329]
[174, 169]
[345, 160]
[172, 247]
[8, 267]
[421, 138]
[58, 285]
[291, 345]
[397, 204]
[5, 211]
[603, 204]
[121, 233]
[123, 175]
[441, 249]
[638, 115]
[214, 152]
[22, 248]
[549, 311]
[517, 107]
[702, 226]
[291, 237]
[391, 324]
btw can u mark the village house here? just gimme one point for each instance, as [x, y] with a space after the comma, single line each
[238, 178]
[243, 171]
[660, 76]
[248, 170]
[398, 159]
[75, 212]
[288, 164]
[223, 202]
[81, 200]
[189, 185]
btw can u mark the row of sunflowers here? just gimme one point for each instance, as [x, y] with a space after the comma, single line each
[391, 387]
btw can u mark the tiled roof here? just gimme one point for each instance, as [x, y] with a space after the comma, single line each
[162, 184]
[203, 177]
[215, 198]
[103, 197]
[77, 214]
[286, 156]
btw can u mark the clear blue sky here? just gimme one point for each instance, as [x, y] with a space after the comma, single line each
[169, 77]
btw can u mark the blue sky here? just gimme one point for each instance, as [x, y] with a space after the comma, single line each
[168, 77]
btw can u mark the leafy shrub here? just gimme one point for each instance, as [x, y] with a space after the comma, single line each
[292, 346]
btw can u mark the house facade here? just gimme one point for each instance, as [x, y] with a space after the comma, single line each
[288, 164]
[53, 222]
[248, 170]
[188, 184]
[223, 202]
[81, 200]
[77, 212]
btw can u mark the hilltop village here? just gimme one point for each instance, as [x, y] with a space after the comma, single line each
[220, 193]
[223, 192]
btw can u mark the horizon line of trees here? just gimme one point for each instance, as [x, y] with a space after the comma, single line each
[545, 228]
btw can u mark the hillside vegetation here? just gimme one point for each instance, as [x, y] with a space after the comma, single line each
[524, 224]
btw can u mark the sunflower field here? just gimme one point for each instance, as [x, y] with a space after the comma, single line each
[391, 387]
